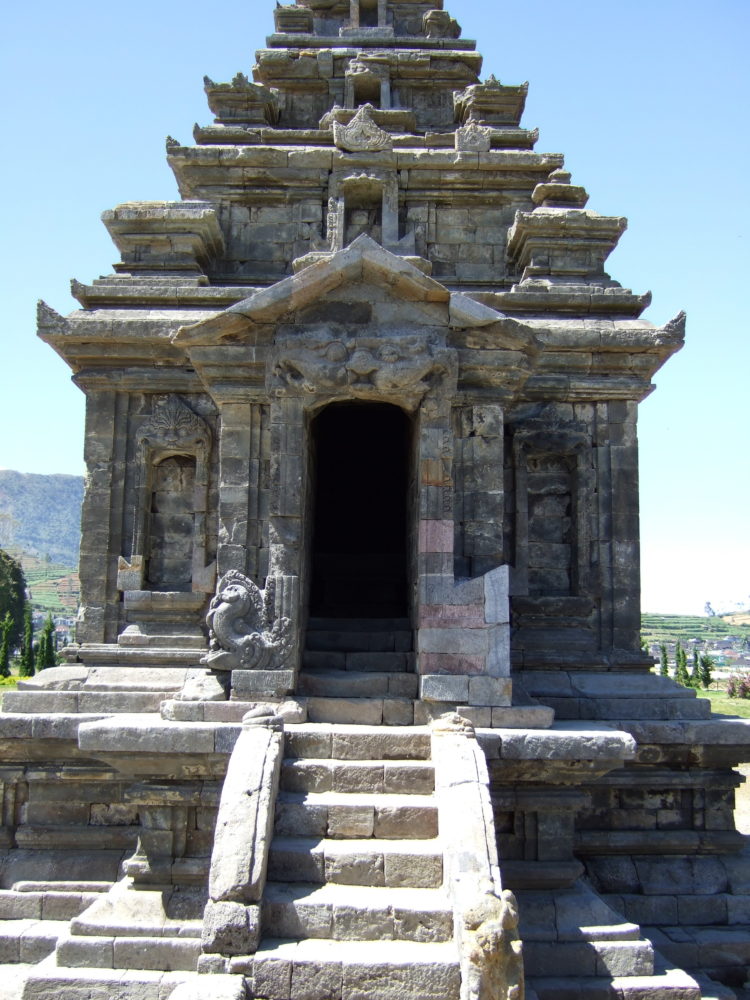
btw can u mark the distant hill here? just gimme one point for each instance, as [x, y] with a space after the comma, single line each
[692, 628]
[41, 515]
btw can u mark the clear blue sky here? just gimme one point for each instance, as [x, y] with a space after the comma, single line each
[647, 99]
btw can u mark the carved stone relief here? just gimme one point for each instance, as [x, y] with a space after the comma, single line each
[243, 633]
[362, 134]
[473, 138]
[361, 368]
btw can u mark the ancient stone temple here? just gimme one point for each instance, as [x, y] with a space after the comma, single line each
[357, 706]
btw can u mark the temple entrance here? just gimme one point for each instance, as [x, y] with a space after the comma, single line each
[359, 544]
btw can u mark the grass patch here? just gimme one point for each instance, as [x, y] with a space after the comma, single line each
[722, 704]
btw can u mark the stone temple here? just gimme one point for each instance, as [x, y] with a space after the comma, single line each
[357, 707]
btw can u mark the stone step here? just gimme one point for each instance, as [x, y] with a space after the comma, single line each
[407, 777]
[161, 954]
[684, 908]
[44, 905]
[356, 815]
[74, 702]
[416, 864]
[318, 659]
[352, 742]
[665, 984]
[578, 914]
[320, 969]
[128, 912]
[346, 913]
[29, 940]
[355, 625]
[69, 885]
[351, 642]
[361, 711]
[357, 684]
[588, 958]
[720, 951]
[48, 981]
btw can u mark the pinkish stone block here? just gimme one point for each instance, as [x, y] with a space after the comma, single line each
[435, 536]
[451, 616]
[450, 663]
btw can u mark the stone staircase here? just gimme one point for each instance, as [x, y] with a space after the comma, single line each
[576, 947]
[128, 944]
[359, 670]
[354, 906]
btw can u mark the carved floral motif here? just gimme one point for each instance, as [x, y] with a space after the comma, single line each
[242, 631]
[362, 134]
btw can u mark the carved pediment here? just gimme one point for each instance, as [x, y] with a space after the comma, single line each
[366, 262]
[399, 368]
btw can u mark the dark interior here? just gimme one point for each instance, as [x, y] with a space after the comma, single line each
[359, 559]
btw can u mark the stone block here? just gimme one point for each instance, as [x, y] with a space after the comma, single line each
[442, 687]
[398, 712]
[313, 979]
[360, 866]
[301, 819]
[272, 977]
[355, 923]
[351, 821]
[215, 987]
[416, 870]
[451, 663]
[292, 860]
[86, 952]
[307, 776]
[402, 979]
[137, 734]
[490, 691]
[405, 822]
[458, 641]
[166, 954]
[254, 685]
[624, 958]
[436, 535]
[230, 928]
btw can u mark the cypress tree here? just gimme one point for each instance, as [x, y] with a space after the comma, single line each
[45, 654]
[5, 629]
[707, 665]
[695, 674]
[684, 674]
[26, 668]
[12, 595]
[663, 661]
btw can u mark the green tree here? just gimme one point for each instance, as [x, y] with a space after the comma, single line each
[45, 651]
[663, 660]
[5, 628]
[26, 666]
[12, 595]
[695, 673]
[707, 665]
[681, 672]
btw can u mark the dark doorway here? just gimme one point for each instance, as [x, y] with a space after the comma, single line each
[359, 561]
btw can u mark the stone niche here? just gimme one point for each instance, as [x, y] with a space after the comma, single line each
[166, 575]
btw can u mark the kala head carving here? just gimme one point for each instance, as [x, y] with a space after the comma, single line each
[243, 633]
